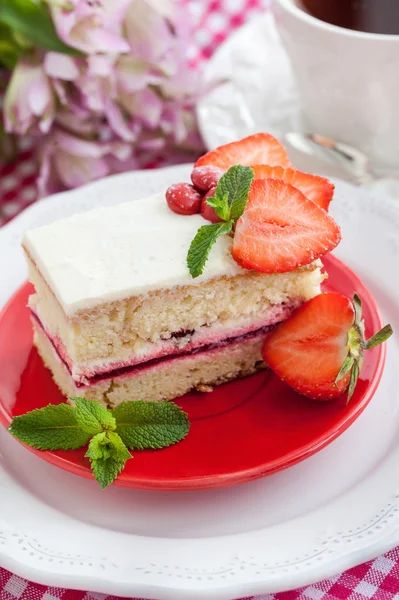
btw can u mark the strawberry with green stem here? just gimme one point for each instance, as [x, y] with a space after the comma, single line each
[319, 350]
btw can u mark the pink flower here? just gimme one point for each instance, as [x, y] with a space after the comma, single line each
[100, 65]
[173, 122]
[92, 92]
[60, 66]
[91, 25]
[147, 31]
[68, 161]
[126, 100]
[133, 74]
[166, 8]
[145, 105]
[119, 123]
[29, 100]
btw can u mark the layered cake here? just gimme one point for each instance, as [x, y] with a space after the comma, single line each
[117, 315]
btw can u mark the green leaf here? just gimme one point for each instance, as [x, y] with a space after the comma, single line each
[221, 206]
[106, 470]
[236, 183]
[108, 455]
[50, 428]
[380, 337]
[357, 305]
[150, 424]
[201, 245]
[346, 367]
[9, 50]
[93, 417]
[98, 447]
[32, 20]
[353, 380]
[107, 444]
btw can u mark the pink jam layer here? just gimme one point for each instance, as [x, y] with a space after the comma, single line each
[150, 364]
[205, 336]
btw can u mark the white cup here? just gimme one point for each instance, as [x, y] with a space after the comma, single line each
[348, 82]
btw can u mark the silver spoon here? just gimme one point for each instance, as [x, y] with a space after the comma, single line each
[355, 162]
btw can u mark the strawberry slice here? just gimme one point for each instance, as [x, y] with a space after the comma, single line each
[281, 229]
[318, 189]
[261, 148]
[319, 350]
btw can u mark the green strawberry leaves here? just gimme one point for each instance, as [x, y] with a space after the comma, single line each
[109, 434]
[229, 201]
[380, 337]
[357, 344]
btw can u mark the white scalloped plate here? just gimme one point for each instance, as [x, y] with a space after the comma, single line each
[334, 510]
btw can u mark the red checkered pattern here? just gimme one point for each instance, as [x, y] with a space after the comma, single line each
[376, 580]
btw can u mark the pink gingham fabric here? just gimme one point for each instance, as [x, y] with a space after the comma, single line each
[375, 580]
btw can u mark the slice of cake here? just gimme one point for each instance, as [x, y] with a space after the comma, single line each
[117, 315]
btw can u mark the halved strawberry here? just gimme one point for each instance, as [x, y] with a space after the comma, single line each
[281, 229]
[319, 350]
[261, 148]
[318, 189]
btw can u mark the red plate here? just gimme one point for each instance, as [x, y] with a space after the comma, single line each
[242, 431]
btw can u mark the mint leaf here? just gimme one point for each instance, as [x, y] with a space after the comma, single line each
[93, 417]
[201, 245]
[229, 200]
[107, 444]
[108, 455]
[150, 424]
[221, 205]
[50, 428]
[236, 183]
[98, 447]
[106, 470]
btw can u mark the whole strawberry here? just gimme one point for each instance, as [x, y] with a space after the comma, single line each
[319, 350]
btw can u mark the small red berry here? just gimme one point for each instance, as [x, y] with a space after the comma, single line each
[206, 177]
[207, 211]
[183, 199]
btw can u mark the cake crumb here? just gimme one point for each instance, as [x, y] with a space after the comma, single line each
[204, 388]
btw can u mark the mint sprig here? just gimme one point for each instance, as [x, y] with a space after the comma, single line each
[202, 244]
[109, 433]
[229, 200]
[232, 192]
[108, 456]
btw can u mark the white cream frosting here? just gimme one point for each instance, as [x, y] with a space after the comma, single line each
[112, 253]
